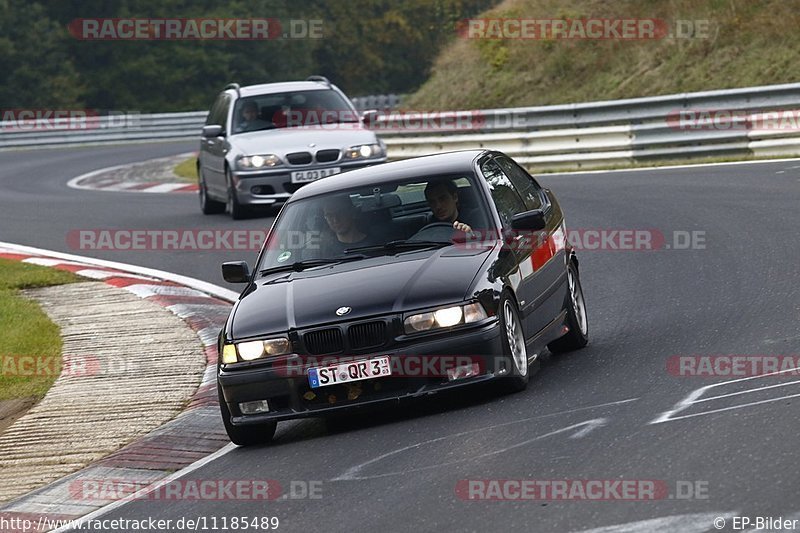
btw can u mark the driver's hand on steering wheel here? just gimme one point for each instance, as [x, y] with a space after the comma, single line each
[460, 226]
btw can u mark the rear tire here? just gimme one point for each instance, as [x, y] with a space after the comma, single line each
[578, 335]
[513, 340]
[245, 435]
[207, 205]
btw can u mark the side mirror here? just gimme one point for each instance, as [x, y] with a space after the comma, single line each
[236, 272]
[212, 131]
[529, 220]
[369, 117]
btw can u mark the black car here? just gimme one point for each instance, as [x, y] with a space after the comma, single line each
[398, 281]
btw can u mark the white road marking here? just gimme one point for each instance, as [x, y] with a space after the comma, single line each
[204, 286]
[685, 523]
[352, 473]
[693, 396]
[138, 495]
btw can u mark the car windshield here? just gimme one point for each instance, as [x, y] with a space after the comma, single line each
[312, 108]
[387, 218]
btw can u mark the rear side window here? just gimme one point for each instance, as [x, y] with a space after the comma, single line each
[526, 186]
[504, 195]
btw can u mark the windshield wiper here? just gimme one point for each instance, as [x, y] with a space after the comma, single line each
[298, 266]
[402, 244]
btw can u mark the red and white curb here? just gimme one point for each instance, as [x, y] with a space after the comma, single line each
[193, 438]
[94, 181]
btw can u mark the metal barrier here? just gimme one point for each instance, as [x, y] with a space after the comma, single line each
[580, 135]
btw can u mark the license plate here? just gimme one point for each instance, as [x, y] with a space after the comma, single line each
[303, 176]
[348, 372]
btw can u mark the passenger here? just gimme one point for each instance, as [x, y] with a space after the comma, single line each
[442, 197]
[341, 217]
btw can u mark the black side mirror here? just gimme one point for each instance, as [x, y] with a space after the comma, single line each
[369, 117]
[236, 272]
[212, 131]
[529, 220]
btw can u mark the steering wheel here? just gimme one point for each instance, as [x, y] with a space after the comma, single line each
[435, 228]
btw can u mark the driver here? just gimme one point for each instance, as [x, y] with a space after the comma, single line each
[442, 197]
[249, 117]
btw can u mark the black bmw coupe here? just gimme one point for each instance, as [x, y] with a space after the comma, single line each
[397, 281]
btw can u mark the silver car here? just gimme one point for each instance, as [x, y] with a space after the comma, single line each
[263, 142]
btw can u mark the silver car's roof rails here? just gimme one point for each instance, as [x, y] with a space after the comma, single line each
[321, 79]
[234, 86]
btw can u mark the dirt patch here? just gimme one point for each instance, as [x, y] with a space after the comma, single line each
[11, 410]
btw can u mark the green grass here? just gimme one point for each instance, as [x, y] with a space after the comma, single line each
[25, 330]
[187, 170]
[749, 43]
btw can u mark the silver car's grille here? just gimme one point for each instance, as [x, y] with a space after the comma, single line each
[326, 156]
[299, 158]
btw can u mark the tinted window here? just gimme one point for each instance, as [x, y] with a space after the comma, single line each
[505, 196]
[213, 113]
[527, 188]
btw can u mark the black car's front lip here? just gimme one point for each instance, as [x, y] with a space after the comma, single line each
[285, 394]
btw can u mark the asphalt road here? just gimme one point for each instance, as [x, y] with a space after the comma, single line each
[586, 416]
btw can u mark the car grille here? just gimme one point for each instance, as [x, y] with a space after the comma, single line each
[324, 341]
[368, 335]
[361, 336]
[299, 158]
[326, 156]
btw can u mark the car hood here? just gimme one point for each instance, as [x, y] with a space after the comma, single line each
[373, 286]
[286, 140]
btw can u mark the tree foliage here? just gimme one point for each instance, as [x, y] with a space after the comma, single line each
[367, 46]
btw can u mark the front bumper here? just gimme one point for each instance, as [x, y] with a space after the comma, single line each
[274, 186]
[287, 391]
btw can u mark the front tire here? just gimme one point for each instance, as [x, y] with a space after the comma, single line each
[513, 340]
[578, 335]
[245, 435]
[236, 210]
[207, 205]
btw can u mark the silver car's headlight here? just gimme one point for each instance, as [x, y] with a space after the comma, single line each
[252, 350]
[364, 151]
[445, 317]
[252, 162]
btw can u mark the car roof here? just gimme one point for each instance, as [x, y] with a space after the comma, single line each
[446, 163]
[280, 87]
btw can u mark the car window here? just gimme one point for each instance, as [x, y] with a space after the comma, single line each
[525, 185]
[292, 109]
[504, 195]
[213, 113]
[307, 229]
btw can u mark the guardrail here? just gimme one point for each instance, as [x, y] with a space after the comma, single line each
[580, 135]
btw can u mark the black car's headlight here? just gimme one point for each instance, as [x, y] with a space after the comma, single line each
[252, 350]
[364, 151]
[445, 317]
[252, 162]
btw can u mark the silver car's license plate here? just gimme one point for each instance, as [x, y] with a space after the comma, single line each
[303, 176]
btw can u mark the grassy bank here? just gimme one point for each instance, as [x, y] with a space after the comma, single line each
[25, 330]
[187, 170]
[748, 43]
